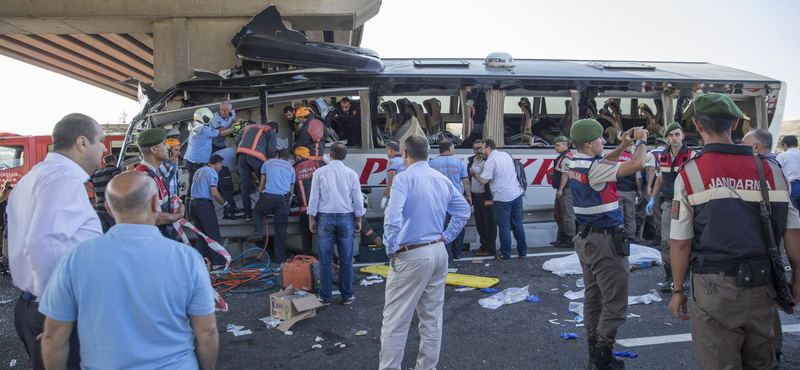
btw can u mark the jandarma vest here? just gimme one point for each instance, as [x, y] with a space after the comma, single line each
[669, 168]
[556, 172]
[593, 208]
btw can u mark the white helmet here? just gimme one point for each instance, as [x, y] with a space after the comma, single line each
[202, 117]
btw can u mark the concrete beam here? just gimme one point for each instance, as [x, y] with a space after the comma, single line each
[86, 50]
[145, 38]
[117, 52]
[130, 44]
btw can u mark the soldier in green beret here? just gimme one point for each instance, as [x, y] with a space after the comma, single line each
[669, 161]
[717, 232]
[562, 209]
[153, 146]
[600, 242]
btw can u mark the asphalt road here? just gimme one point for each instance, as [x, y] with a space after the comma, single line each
[516, 336]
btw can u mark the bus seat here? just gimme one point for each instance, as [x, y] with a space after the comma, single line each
[613, 135]
[417, 112]
[566, 118]
[434, 108]
[402, 111]
[606, 118]
[652, 125]
[659, 110]
[413, 128]
[392, 119]
[615, 111]
[525, 121]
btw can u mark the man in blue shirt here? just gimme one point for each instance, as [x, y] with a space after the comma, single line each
[420, 200]
[204, 188]
[226, 117]
[162, 292]
[275, 193]
[456, 171]
[393, 167]
[198, 147]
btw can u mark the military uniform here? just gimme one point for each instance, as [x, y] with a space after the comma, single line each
[717, 193]
[627, 190]
[562, 208]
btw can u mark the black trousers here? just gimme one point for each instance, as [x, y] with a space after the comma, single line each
[29, 323]
[205, 218]
[192, 167]
[278, 205]
[106, 221]
[248, 165]
[305, 234]
[454, 248]
[225, 186]
[485, 222]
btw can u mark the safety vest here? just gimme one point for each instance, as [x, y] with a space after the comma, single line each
[626, 183]
[304, 173]
[723, 189]
[557, 165]
[669, 167]
[593, 208]
[255, 141]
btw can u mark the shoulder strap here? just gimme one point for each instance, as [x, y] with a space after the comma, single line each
[763, 179]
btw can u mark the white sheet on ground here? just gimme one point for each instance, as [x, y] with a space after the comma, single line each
[507, 296]
[570, 265]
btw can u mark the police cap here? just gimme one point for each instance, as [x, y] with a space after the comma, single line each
[716, 104]
[671, 127]
[561, 139]
[586, 130]
[151, 137]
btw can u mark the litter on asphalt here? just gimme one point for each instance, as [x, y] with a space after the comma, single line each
[507, 296]
[288, 332]
[452, 270]
[575, 295]
[646, 299]
[579, 283]
[532, 298]
[631, 314]
[569, 336]
[625, 354]
[464, 289]
[571, 265]
[318, 339]
[271, 322]
[361, 332]
[316, 346]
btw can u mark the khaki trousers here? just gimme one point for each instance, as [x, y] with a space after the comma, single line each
[416, 281]
[657, 215]
[627, 204]
[605, 276]
[564, 214]
[666, 219]
[732, 327]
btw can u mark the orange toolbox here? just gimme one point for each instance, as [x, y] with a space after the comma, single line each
[301, 272]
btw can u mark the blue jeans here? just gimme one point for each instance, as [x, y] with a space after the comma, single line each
[339, 228]
[795, 193]
[509, 217]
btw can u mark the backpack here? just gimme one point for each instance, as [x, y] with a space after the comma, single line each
[520, 169]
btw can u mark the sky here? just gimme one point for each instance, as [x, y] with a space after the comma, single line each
[758, 37]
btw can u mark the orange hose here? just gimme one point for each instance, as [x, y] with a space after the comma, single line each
[237, 278]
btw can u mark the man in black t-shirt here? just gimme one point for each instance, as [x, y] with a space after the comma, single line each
[100, 180]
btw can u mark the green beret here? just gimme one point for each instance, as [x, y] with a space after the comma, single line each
[151, 137]
[716, 104]
[561, 139]
[661, 139]
[586, 130]
[672, 126]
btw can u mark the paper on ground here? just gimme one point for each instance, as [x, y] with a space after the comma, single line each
[507, 296]
[646, 299]
[570, 265]
[239, 333]
[575, 295]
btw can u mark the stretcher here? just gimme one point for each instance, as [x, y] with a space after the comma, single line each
[452, 279]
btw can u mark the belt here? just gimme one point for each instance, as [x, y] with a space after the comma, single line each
[207, 200]
[29, 297]
[415, 246]
[594, 229]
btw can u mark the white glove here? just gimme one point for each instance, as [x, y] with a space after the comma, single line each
[384, 203]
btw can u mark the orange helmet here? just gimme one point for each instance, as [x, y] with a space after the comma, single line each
[173, 142]
[302, 112]
[302, 151]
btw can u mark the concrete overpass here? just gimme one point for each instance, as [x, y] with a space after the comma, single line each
[101, 42]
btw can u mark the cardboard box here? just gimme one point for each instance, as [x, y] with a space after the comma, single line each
[292, 311]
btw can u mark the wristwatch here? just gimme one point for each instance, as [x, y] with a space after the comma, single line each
[676, 291]
[640, 141]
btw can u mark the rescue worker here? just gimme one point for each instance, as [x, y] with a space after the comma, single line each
[224, 118]
[204, 188]
[456, 171]
[312, 134]
[761, 141]
[100, 180]
[716, 194]
[485, 221]
[562, 209]
[627, 190]
[348, 114]
[790, 161]
[304, 169]
[169, 169]
[393, 167]
[275, 191]
[600, 243]
[256, 144]
[152, 144]
[669, 161]
[198, 147]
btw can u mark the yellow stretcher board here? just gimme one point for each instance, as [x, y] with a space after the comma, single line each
[452, 279]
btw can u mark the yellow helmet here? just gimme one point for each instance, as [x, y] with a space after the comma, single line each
[302, 151]
[173, 142]
[302, 112]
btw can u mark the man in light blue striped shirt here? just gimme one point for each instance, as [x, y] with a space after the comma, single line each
[420, 199]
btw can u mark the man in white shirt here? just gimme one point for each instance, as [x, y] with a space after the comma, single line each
[48, 213]
[501, 176]
[336, 203]
[790, 163]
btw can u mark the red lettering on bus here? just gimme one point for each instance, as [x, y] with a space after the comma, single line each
[546, 169]
[373, 165]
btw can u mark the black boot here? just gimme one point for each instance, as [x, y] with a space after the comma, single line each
[604, 359]
[567, 243]
[666, 286]
[592, 346]
[559, 239]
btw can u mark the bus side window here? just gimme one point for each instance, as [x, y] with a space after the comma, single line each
[12, 156]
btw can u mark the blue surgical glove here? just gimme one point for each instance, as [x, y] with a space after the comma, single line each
[650, 204]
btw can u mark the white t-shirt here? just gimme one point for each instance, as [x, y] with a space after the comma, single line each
[790, 164]
[499, 170]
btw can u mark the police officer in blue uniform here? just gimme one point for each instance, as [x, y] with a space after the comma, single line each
[600, 242]
[717, 232]
[276, 189]
[205, 192]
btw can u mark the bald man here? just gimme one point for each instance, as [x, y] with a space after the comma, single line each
[168, 320]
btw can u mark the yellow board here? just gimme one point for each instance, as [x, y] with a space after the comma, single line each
[452, 279]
